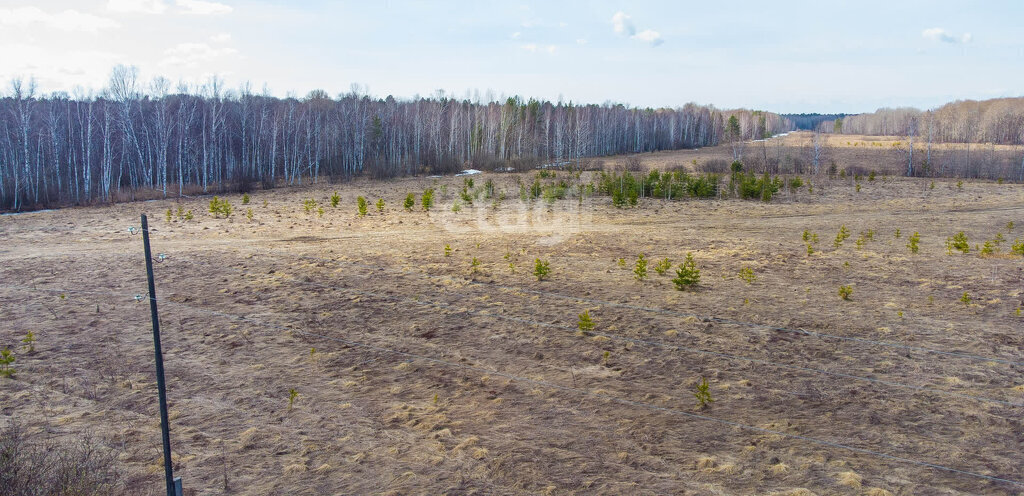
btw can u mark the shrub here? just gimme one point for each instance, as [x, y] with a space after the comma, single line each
[554, 192]
[309, 205]
[747, 274]
[842, 235]
[987, 248]
[913, 242]
[447, 250]
[188, 215]
[705, 186]
[541, 269]
[965, 299]
[466, 196]
[410, 201]
[621, 262]
[248, 214]
[796, 183]
[218, 207]
[959, 243]
[1018, 247]
[292, 396]
[468, 182]
[181, 212]
[6, 359]
[536, 189]
[169, 215]
[703, 394]
[752, 187]
[845, 292]
[456, 207]
[474, 266]
[898, 234]
[1009, 226]
[83, 467]
[29, 341]
[736, 167]
[688, 275]
[663, 266]
[428, 199]
[714, 165]
[640, 269]
[871, 176]
[336, 199]
[585, 323]
[361, 206]
[246, 198]
[380, 205]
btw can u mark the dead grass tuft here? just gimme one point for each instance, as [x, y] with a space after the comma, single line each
[849, 479]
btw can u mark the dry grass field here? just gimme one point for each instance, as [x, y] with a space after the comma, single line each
[859, 153]
[417, 373]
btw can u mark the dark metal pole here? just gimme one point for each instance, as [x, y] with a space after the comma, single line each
[168, 469]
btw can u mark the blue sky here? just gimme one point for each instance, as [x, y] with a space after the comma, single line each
[796, 56]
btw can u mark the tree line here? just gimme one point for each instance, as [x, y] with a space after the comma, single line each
[984, 123]
[999, 121]
[133, 137]
[812, 121]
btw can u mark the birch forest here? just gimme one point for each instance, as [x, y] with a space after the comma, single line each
[136, 137]
[999, 121]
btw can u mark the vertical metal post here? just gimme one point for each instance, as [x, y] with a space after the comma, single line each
[168, 469]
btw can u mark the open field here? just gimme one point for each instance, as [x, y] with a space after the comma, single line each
[858, 153]
[416, 374]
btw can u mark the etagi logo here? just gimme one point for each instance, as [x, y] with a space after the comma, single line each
[556, 220]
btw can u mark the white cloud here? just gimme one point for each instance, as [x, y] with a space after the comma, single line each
[59, 69]
[68, 20]
[137, 6]
[581, 41]
[939, 34]
[530, 47]
[221, 38]
[202, 7]
[551, 48]
[191, 54]
[516, 35]
[649, 36]
[623, 24]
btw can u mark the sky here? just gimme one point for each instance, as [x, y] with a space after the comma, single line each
[791, 57]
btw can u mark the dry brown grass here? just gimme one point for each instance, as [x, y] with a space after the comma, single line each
[886, 155]
[367, 421]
